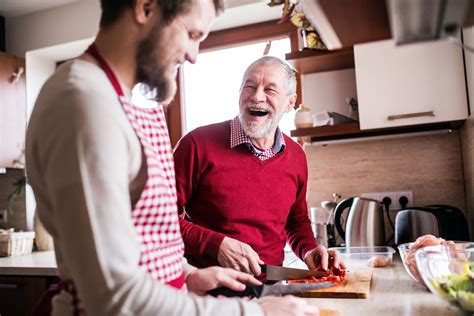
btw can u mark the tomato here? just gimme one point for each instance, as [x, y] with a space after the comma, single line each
[335, 275]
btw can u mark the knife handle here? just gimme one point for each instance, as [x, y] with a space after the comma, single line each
[250, 291]
[263, 268]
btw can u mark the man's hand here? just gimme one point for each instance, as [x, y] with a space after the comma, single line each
[200, 281]
[239, 256]
[321, 258]
[287, 306]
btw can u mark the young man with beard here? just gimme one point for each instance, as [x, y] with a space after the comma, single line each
[242, 183]
[103, 176]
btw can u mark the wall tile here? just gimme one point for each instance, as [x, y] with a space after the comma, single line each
[429, 166]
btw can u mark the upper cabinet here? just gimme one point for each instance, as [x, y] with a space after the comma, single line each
[312, 60]
[343, 23]
[410, 84]
[12, 109]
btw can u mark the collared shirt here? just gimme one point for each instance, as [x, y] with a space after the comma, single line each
[238, 137]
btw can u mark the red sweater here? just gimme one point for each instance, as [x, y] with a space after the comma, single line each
[230, 192]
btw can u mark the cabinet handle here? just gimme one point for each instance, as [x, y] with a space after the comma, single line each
[9, 286]
[410, 115]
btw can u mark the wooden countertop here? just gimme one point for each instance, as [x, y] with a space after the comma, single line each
[393, 293]
[41, 263]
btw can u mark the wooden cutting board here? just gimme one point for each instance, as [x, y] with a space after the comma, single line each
[355, 285]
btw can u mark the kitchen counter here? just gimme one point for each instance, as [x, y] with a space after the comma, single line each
[41, 263]
[393, 293]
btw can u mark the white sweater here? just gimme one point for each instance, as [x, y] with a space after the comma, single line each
[86, 167]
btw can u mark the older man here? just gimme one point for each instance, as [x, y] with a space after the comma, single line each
[242, 183]
[103, 175]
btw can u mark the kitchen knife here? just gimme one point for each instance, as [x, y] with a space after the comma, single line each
[275, 289]
[277, 273]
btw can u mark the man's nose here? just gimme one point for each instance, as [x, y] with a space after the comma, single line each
[259, 95]
[191, 55]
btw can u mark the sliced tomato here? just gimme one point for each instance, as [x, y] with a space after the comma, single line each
[335, 275]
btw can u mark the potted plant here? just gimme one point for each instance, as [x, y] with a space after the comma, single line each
[18, 191]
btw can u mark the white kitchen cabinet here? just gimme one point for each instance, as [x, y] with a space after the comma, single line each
[411, 84]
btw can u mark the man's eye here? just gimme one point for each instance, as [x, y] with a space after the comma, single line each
[194, 35]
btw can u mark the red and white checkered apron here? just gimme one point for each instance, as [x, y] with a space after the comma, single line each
[155, 215]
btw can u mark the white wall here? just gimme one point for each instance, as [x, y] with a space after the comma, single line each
[64, 24]
[327, 91]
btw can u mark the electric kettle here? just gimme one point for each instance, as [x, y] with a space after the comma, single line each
[364, 223]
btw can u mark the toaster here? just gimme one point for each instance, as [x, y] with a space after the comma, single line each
[443, 221]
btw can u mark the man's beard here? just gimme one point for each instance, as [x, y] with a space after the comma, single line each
[150, 73]
[257, 129]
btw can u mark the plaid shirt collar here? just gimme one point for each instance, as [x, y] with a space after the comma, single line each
[238, 137]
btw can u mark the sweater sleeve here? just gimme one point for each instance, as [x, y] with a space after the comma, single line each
[198, 240]
[78, 157]
[298, 226]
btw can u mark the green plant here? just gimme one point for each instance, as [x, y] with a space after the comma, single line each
[19, 190]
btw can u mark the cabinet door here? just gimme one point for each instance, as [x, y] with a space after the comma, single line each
[410, 84]
[12, 109]
[19, 295]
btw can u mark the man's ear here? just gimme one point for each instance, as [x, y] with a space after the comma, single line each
[144, 10]
[291, 102]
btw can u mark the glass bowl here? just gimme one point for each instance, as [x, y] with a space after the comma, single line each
[409, 261]
[448, 271]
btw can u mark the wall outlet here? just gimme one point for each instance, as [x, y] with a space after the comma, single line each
[3, 216]
[395, 196]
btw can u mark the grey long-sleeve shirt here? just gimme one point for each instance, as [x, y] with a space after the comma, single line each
[86, 167]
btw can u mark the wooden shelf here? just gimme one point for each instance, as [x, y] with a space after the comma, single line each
[329, 130]
[352, 130]
[313, 60]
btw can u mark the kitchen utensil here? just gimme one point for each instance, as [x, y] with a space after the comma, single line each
[442, 221]
[319, 222]
[277, 273]
[364, 224]
[275, 289]
[356, 284]
[448, 271]
[330, 230]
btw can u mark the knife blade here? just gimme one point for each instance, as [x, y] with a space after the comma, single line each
[275, 289]
[277, 273]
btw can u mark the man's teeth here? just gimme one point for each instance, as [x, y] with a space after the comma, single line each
[258, 112]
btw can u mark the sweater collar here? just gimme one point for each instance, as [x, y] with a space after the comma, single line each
[238, 137]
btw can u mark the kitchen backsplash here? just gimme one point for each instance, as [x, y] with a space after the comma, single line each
[429, 166]
[16, 218]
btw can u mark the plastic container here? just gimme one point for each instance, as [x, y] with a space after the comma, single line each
[357, 257]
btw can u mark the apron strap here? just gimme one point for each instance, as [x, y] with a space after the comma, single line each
[94, 52]
[44, 305]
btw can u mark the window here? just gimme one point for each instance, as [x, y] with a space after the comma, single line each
[211, 86]
[205, 102]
